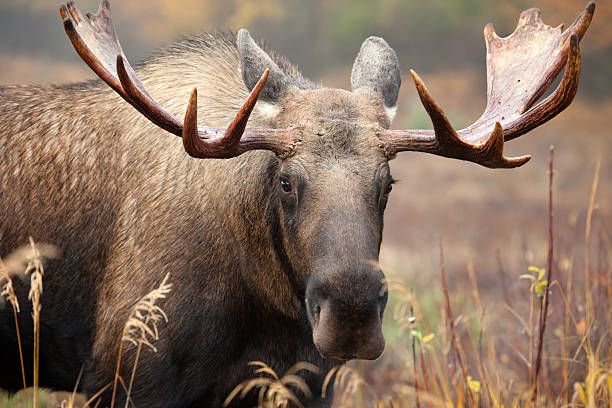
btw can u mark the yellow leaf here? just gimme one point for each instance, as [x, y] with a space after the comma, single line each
[428, 338]
[473, 384]
[581, 392]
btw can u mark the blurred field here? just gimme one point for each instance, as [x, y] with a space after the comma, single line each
[492, 223]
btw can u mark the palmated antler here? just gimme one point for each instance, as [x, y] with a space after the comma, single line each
[520, 68]
[95, 40]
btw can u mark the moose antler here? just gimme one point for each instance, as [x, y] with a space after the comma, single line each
[97, 44]
[520, 68]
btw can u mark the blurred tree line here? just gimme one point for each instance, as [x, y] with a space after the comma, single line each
[320, 35]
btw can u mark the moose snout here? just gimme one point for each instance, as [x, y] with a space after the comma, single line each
[345, 313]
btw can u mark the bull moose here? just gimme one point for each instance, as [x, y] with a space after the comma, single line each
[272, 240]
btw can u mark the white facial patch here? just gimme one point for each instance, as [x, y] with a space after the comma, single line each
[391, 112]
[267, 110]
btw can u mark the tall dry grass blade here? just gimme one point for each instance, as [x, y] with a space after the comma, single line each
[414, 364]
[152, 314]
[36, 270]
[502, 277]
[587, 237]
[477, 346]
[70, 402]
[544, 308]
[28, 260]
[96, 395]
[439, 385]
[566, 325]
[454, 338]
[424, 372]
[8, 292]
[141, 329]
[478, 349]
[532, 344]
[116, 379]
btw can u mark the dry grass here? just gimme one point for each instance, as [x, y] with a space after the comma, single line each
[32, 256]
[141, 328]
[275, 391]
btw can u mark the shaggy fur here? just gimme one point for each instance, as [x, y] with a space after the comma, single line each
[83, 170]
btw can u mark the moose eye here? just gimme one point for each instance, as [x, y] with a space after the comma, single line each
[285, 185]
[383, 296]
[388, 187]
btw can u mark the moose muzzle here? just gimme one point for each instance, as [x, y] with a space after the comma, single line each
[345, 311]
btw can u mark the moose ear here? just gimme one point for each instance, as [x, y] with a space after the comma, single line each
[377, 68]
[254, 61]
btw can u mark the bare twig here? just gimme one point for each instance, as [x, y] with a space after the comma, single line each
[544, 309]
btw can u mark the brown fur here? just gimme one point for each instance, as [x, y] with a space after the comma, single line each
[81, 169]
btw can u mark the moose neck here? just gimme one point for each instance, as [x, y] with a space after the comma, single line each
[242, 188]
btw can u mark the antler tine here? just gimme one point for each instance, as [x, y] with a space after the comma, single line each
[520, 68]
[445, 141]
[96, 42]
[202, 142]
[225, 145]
[489, 152]
[97, 48]
[143, 101]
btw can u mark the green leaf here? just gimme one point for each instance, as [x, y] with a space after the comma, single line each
[539, 288]
[526, 276]
[541, 273]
